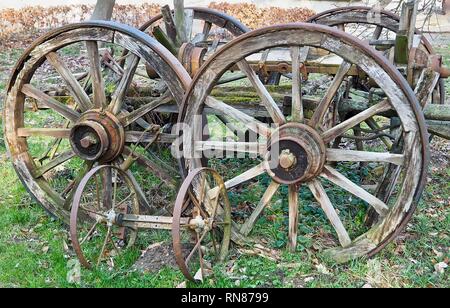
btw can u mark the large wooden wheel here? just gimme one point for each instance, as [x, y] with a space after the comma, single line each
[61, 121]
[300, 152]
[204, 31]
[379, 27]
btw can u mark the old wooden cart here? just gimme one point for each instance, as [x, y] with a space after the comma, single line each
[299, 109]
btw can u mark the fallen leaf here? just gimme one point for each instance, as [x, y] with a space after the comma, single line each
[74, 273]
[309, 279]
[182, 285]
[322, 269]
[440, 268]
[45, 249]
[438, 253]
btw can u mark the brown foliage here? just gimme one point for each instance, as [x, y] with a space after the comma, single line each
[19, 27]
[254, 17]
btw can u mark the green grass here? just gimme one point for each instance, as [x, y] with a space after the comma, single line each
[33, 249]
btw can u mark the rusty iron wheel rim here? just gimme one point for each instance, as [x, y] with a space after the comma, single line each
[218, 18]
[185, 193]
[75, 212]
[194, 101]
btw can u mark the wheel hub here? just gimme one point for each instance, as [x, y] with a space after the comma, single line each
[296, 153]
[98, 136]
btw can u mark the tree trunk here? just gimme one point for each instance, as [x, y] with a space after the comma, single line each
[103, 10]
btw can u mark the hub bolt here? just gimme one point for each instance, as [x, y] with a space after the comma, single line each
[287, 159]
[88, 140]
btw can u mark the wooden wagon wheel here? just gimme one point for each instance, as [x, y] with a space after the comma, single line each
[373, 25]
[55, 134]
[205, 31]
[297, 151]
[96, 235]
[206, 238]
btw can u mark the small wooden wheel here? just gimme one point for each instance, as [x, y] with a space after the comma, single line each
[201, 227]
[305, 152]
[374, 25]
[95, 225]
[70, 107]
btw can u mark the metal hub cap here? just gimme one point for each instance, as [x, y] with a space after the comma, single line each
[98, 136]
[296, 154]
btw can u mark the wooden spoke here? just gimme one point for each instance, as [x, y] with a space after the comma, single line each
[263, 203]
[50, 102]
[189, 24]
[196, 247]
[69, 191]
[242, 178]
[297, 104]
[326, 101]
[353, 121]
[98, 84]
[321, 196]
[374, 126]
[206, 30]
[250, 122]
[143, 137]
[239, 147]
[293, 217]
[139, 113]
[377, 33]
[59, 160]
[62, 133]
[102, 251]
[140, 192]
[169, 23]
[340, 180]
[152, 167]
[266, 99]
[107, 186]
[75, 88]
[88, 235]
[121, 90]
[336, 155]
